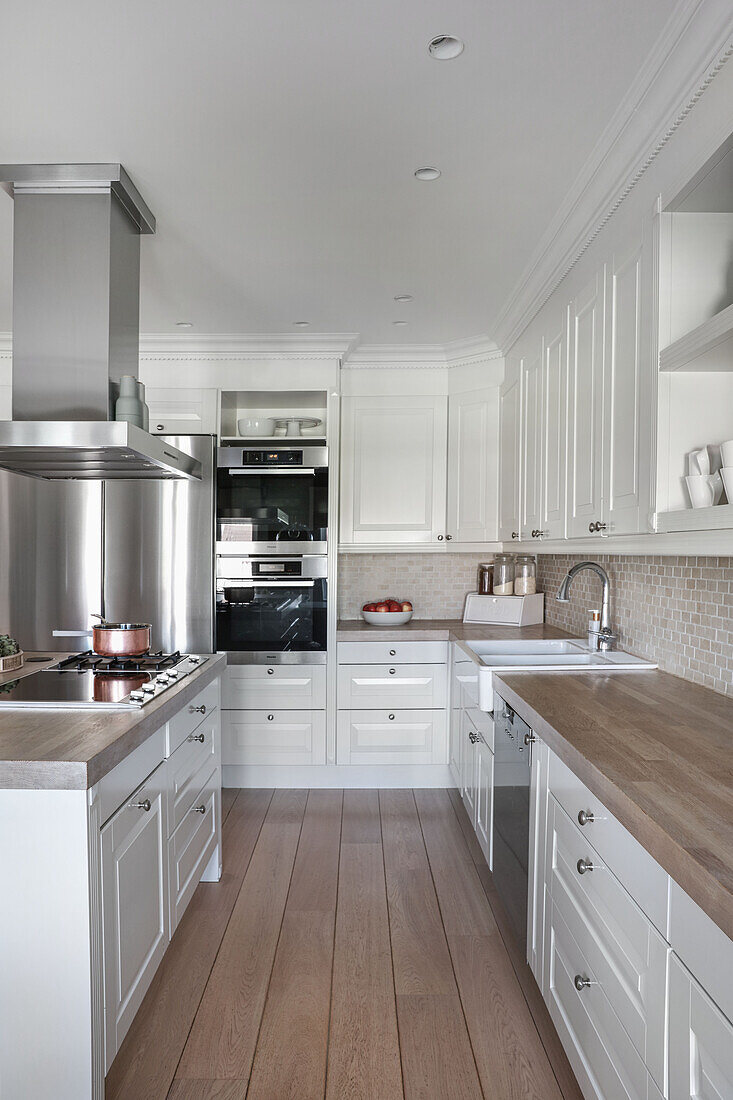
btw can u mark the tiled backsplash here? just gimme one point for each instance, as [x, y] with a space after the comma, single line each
[436, 584]
[676, 610]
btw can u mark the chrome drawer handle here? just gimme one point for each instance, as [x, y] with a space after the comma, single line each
[196, 737]
[581, 983]
[144, 805]
[515, 534]
[585, 817]
[393, 652]
[160, 427]
[392, 671]
[197, 710]
[391, 717]
[198, 809]
[270, 671]
[529, 738]
[584, 865]
[270, 717]
[473, 738]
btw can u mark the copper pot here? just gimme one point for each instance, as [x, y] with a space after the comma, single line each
[120, 639]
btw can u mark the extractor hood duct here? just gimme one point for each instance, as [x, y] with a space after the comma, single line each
[76, 291]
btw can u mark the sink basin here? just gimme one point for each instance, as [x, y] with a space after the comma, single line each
[549, 655]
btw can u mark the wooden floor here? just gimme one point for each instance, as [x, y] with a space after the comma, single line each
[353, 949]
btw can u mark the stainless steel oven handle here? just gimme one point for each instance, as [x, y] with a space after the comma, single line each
[247, 582]
[238, 470]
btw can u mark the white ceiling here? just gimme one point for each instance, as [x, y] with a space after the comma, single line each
[275, 141]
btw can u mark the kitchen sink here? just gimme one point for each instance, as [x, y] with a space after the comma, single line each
[548, 655]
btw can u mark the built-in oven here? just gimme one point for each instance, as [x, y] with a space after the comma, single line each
[513, 740]
[272, 500]
[267, 606]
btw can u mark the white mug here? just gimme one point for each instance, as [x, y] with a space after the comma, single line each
[726, 454]
[705, 489]
[698, 463]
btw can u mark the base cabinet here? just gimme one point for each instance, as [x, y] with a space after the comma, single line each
[700, 1041]
[477, 782]
[134, 903]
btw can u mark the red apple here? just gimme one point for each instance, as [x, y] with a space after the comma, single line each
[369, 607]
[381, 606]
[406, 605]
[394, 605]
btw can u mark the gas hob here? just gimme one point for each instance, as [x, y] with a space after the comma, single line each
[87, 681]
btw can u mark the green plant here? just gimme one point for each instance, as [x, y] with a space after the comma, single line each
[8, 646]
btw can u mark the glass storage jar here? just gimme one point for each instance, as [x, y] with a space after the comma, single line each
[525, 575]
[485, 578]
[503, 575]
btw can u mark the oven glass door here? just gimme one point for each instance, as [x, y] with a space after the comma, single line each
[287, 615]
[277, 510]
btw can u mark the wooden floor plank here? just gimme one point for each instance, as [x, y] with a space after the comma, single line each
[229, 796]
[222, 1041]
[207, 1090]
[420, 953]
[291, 1052]
[147, 1059]
[437, 1059]
[562, 1070]
[363, 1054]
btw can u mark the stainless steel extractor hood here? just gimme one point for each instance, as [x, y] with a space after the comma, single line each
[76, 290]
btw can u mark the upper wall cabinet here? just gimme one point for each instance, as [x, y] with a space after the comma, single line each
[585, 409]
[393, 470]
[531, 444]
[176, 411]
[510, 409]
[554, 434]
[473, 427]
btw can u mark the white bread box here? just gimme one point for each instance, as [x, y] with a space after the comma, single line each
[505, 610]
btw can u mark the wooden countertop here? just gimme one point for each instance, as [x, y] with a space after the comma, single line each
[72, 749]
[441, 630]
[658, 752]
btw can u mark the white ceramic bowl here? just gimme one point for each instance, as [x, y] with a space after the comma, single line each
[256, 426]
[727, 475]
[726, 454]
[387, 618]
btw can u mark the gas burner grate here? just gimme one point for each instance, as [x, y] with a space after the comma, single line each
[89, 661]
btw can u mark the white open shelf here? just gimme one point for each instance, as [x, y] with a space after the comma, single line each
[709, 347]
[718, 518]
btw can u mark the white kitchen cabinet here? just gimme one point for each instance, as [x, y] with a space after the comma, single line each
[471, 514]
[626, 408]
[276, 686]
[531, 436]
[181, 411]
[251, 737]
[510, 460]
[391, 737]
[393, 470]
[454, 731]
[536, 861]
[468, 766]
[585, 408]
[484, 798]
[700, 1041]
[553, 460]
[409, 687]
[192, 844]
[134, 903]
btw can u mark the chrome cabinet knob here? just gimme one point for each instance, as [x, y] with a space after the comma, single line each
[515, 534]
[270, 717]
[448, 537]
[271, 672]
[143, 805]
[391, 717]
[596, 528]
[393, 652]
[199, 809]
[472, 738]
[583, 866]
[392, 671]
[197, 710]
[585, 817]
[529, 738]
[197, 737]
[160, 427]
[581, 983]
[440, 538]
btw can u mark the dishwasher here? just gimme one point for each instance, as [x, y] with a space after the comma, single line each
[513, 741]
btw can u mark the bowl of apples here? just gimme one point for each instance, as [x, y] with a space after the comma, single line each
[389, 612]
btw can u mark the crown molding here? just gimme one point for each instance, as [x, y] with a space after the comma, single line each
[695, 44]
[475, 349]
[220, 346]
[458, 353]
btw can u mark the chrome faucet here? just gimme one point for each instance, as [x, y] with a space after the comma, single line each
[606, 637]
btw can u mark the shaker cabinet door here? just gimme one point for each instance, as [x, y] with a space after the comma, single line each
[393, 470]
[554, 436]
[510, 439]
[700, 1041]
[473, 422]
[585, 408]
[531, 497]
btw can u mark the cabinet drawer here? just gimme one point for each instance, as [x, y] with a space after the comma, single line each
[273, 737]
[420, 687]
[191, 715]
[400, 652]
[134, 903]
[703, 947]
[483, 723]
[176, 411]
[600, 1052]
[391, 737]
[626, 953]
[116, 786]
[192, 844]
[637, 871]
[280, 687]
[199, 751]
[700, 1041]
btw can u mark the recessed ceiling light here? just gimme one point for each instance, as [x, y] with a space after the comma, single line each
[301, 324]
[403, 297]
[444, 47]
[184, 324]
[427, 173]
[399, 322]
